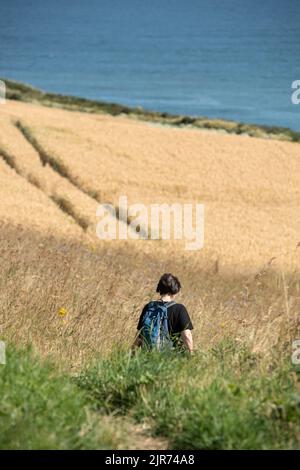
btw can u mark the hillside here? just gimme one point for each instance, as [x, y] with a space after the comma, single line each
[250, 187]
[57, 165]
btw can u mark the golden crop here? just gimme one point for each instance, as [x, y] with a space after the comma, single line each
[56, 167]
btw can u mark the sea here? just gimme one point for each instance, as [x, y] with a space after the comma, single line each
[229, 59]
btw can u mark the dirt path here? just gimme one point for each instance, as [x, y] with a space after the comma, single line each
[135, 436]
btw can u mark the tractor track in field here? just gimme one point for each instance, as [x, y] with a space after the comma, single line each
[63, 171]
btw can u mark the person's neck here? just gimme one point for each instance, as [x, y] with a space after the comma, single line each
[166, 298]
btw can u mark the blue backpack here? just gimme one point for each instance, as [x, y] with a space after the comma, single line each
[155, 330]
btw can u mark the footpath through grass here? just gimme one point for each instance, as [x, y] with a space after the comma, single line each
[226, 398]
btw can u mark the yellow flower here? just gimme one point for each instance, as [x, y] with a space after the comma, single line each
[62, 312]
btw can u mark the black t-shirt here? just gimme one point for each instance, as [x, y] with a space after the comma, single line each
[178, 320]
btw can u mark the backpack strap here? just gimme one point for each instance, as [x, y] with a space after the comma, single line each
[167, 304]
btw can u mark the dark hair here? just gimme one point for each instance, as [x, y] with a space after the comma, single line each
[168, 284]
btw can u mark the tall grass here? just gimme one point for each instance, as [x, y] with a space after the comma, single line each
[104, 288]
[223, 399]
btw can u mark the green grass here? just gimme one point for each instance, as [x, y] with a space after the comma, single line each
[41, 408]
[224, 399]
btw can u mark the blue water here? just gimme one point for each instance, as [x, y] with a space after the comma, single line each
[233, 59]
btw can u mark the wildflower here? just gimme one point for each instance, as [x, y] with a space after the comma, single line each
[62, 312]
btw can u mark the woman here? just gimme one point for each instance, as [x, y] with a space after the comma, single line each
[178, 323]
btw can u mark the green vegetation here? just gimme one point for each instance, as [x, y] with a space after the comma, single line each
[41, 408]
[224, 399]
[227, 398]
[22, 92]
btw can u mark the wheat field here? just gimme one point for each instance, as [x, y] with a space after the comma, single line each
[56, 166]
